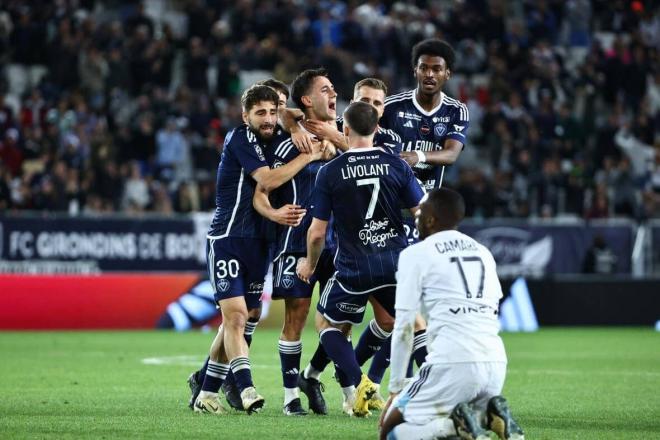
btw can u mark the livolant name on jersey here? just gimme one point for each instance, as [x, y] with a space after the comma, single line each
[456, 245]
[363, 170]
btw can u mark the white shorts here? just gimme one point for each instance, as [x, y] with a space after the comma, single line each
[437, 388]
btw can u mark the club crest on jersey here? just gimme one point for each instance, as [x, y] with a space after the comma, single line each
[424, 130]
[222, 284]
[287, 281]
[439, 130]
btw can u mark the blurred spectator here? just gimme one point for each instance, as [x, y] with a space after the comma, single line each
[600, 259]
[564, 97]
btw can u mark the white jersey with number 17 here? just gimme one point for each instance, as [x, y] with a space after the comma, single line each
[453, 280]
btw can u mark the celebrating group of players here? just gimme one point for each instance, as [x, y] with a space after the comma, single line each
[334, 200]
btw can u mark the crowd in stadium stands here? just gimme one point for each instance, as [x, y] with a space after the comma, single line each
[118, 107]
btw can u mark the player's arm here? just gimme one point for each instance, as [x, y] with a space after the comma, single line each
[322, 209]
[447, 156]
[290, 118]
[315, 245]
[327, 131]
[287, 215]
[272, 178]
[408, 297]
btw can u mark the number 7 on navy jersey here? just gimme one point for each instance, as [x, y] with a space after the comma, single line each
[375, 181]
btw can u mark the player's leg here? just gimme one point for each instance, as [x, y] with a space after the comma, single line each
[297, 298]
[234, 316]
[375, 334]
[337, 311]
[422, 408]
[290, 348]
[309, 380]
[216, 371]
[229, 386]
[493, 408]
[216, 368]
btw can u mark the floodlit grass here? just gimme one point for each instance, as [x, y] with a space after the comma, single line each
[562, 384]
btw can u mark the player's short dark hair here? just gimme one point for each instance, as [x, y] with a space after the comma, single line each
[278, 85]
[256, 94]
[436, 48]
[373, 83]
[361, 117]
[448, 206]
[303, 82]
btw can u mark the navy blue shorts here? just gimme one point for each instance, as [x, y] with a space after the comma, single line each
[286, 283]
[340, 305]
[237, 267]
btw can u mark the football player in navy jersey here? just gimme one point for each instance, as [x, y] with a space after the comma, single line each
[371, 91]
[236, 247]
[314, 94]
[433, 129]
[432, 126]
[364, 190]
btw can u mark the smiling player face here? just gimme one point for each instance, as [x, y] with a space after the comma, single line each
[375, 97]
[262, 118]
[323, 99]
[431, 73]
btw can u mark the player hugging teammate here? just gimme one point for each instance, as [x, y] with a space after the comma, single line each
[344, 221]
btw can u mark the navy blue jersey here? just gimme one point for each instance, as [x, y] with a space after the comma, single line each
[297, 191]
[364, 190]
[426, 131]
[234, 215]
[386, 139]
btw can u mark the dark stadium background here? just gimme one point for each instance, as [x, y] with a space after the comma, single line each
[112, 117]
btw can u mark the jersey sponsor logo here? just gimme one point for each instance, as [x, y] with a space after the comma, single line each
[377, 232]
[424, 130]
[470, 309]
[222, 285]
[459, 128]
[278, 164]
[408, 124]
[260, 153]
[256, 288]
[350, 308]
[352, 159]
[413, 116]
[287, 281]
[439, 130]
[437, 119]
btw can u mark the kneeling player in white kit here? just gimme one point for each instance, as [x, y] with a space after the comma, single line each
[453, 279]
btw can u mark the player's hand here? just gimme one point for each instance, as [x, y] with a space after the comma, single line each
[410, 157]
[289, 215]
[386, 408]
[303, 140]
[322, 130]
[318, 150]
[329, 151]
[303, 270]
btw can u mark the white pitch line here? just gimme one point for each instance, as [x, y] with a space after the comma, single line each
[191, 361]
[584, 372]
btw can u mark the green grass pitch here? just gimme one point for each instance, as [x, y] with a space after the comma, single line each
[562, 384]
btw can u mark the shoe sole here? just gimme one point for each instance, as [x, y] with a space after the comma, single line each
[498, 426]
[255, 406]
[191, 384]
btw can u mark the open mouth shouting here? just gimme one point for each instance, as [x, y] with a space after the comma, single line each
[332, 107]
